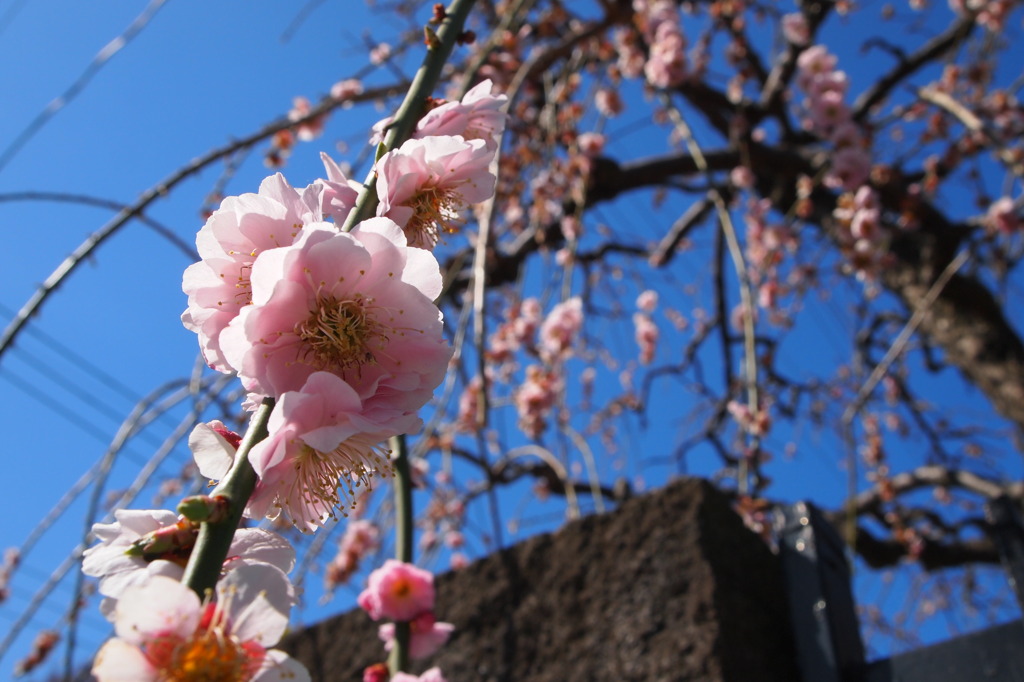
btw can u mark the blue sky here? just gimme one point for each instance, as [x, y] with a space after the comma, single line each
[200, 75]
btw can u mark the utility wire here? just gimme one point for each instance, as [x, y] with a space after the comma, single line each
[101, 58]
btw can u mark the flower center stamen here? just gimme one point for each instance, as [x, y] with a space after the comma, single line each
[434, 209]
[340, 335]
[327, 480]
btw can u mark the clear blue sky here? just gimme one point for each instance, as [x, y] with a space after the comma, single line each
[199, 75]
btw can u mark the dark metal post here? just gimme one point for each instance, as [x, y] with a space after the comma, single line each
[821, 605]
[1008, 535]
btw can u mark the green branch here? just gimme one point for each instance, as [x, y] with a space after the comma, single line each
[439, 48]
[215, 538]
[211, 549]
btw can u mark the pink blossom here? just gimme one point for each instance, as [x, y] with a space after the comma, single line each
[1002, 216]
[631, 57]
[742, 177]
[398, 591]
[338, 194]
[850, 168]
[647, 301]
[591, 144]
[666, 61]
[535, 398]
[322, 440]
[662, 29]
[165, 633]
[458, 561]
[219, 285]
[756, 423]
[812, 63]
[118, 566]
[425, 183]
[347, 89]
[469, 405]
[846, 134]
[646, 337]
[608, 102]
[478, 116]
[827, 111]
[12, 557]
[426, 635]
[361, 538]
[795, 28]
[359, 304]
[307, 130]
[560, 328]
[380, 53]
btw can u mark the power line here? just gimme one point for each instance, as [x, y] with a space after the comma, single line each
[78, 360]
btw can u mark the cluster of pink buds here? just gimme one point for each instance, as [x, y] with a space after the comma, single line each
[42, 645]
[646, 331]
[1003, 216]
[988, 13]
[828, 115]
[756, 422]
[767, 245]
[361, 539]
[863, 237]
[403, 593]
[661, 27]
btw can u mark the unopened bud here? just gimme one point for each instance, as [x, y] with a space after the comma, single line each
[171, 543]
[200, 508]
[430, 38]
[378, 672]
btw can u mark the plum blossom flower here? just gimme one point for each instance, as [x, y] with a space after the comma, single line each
[646, 333]
[323, 440]
[560, 327]
[123, 558]
[426, 635]
[361, 538]
[307, 130]
[662, 28]
[1002, 216]
[647, 301]
[165, 633]
[358, 304]
[812, 63]
[795, 28]
[425, 183]
[478, 116]
[218, 286]
[608, 102]
[535, 398]
[380, 53]
[591, 144]
[347, 89]
[398, 591]
[338, 194]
